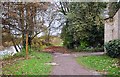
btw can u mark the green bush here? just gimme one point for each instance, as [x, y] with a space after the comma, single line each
[20, 54]
[96, 49]
[83, 45]
[113, 48]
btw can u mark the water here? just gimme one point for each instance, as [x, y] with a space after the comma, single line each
[9, 51]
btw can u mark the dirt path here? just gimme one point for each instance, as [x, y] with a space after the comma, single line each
[67, 65]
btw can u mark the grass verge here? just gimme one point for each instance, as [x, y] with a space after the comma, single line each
[35, 65]
[103, 64]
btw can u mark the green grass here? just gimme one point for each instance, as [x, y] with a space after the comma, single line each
[100, 63]
[33, 66]
[59, 44]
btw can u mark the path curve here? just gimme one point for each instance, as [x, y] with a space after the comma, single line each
[67, 65]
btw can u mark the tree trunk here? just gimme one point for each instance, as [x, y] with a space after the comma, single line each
[14, 45]
[48, 37]
[30, 39]
[23, 40]
[27, 45]
[19, 47]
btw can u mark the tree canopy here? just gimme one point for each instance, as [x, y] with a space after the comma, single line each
[113, 7]
[85, 25]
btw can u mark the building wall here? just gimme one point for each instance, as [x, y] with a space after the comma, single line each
[119, 24]
[112, 28]
[108, 30]
[115, 26]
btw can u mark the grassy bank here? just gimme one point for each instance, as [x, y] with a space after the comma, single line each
[35, 65]
[102, 64]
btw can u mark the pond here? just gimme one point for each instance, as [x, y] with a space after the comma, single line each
[9, 51]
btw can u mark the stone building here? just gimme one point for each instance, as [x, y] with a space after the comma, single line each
[112, 27]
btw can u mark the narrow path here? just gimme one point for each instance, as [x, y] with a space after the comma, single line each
[67, 65]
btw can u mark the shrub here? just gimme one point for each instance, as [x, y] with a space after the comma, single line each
[83, 45]
[113, 48]
[20, 54]
[96, 49]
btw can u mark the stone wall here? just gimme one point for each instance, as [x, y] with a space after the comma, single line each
[112, 28]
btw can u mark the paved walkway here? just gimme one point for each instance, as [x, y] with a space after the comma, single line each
[67, 64]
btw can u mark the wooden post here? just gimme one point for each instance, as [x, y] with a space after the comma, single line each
[26, 45]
